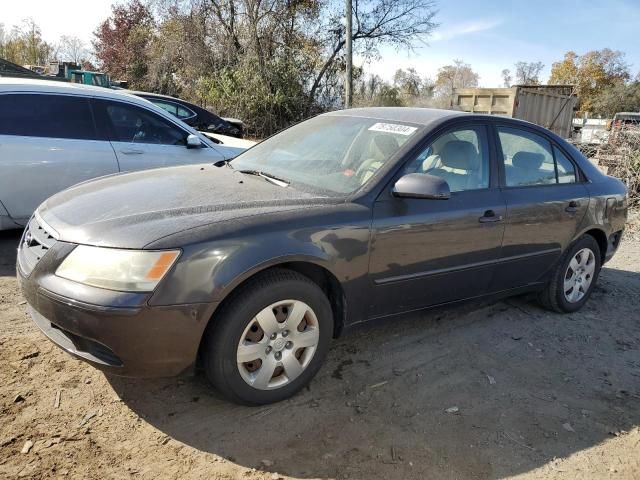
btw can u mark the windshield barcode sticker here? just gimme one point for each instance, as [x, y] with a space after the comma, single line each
[393, 128]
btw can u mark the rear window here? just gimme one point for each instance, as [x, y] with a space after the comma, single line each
[44, 115]
[173, 108]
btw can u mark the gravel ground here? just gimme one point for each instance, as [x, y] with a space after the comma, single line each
[485, 390]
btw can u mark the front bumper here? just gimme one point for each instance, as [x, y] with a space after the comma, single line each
[117, 332]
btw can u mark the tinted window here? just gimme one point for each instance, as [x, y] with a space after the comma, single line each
[50, 116]
[167, 107]
[527, 158]
[174, 109]
[460, 157]
[129, 123]
[183, 112]
[566, 170]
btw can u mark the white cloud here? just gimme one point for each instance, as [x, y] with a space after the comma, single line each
[465, 28]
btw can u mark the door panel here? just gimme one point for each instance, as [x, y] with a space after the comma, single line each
[48, 142]
[138, 156]
[541, 222]
[426, 252]
[545, 205]
[32, 169]
[144, 139]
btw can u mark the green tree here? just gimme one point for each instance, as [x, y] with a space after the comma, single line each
[618, 98]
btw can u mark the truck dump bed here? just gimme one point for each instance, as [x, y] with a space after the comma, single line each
[550, 106]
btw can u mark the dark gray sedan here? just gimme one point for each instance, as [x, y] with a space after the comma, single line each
[249, 268]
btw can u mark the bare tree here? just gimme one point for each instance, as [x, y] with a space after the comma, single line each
[408, 82]
[506, 77]
[72, 49]
[3, 41]
[528, 73]
[24, 44]
[395, 22]
[270, 62]
[457, 75]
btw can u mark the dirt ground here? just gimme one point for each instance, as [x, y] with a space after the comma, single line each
[486, 390]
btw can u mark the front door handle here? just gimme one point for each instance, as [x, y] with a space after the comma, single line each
[490, 217]
[572, 207]
[132, 151]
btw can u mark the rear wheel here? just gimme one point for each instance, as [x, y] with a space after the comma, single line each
[574, 277]
[269, 339]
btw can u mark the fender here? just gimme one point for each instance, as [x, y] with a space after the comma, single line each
[208, 272]
[227, 282]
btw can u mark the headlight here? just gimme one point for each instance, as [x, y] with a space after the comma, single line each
[114, 269]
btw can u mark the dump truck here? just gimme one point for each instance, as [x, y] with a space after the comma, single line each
[61, 71]
[550, 106]
[75, 74]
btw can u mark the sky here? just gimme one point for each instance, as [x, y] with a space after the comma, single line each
[489, 35]
[493, 35]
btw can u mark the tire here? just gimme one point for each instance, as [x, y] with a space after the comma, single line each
[279, 295]
[555, 297]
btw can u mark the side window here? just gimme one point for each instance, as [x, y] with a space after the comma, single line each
[566, 170]
[528, 159]
[130, 123]
[183, 112]
[461, 157]
[167, 107]
[44, 115]
[174, 109]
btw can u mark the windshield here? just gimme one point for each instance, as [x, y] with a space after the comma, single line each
[332, 154]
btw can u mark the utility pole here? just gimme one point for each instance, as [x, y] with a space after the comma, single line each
[348, 88]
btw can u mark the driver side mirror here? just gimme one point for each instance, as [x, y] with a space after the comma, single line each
[422, 185]
[193, 141]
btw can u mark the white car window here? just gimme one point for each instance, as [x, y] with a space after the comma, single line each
[129, 123]
[46, 115]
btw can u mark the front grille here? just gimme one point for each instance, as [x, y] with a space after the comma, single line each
[36, 241]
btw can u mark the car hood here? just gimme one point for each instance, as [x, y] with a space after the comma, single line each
[134, 209]
[229, 141]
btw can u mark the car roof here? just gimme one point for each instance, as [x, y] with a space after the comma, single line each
[8, 84]
[420, 116]
[427, 116]
[168, 98]
[155, 95]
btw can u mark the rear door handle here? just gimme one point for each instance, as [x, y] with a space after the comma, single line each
[572, 207]
[490, 217]
[132, 151]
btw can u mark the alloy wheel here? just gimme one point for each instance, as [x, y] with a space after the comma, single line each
[579, 275]
[278, 344]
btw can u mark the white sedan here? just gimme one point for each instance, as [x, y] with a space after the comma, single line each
[54, 135]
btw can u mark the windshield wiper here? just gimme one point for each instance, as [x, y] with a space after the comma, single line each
[281, 182]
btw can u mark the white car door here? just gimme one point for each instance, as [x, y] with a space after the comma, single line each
[144, 139]
[48, 142]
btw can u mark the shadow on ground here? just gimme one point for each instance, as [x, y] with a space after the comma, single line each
[528, 386]
[8, 247]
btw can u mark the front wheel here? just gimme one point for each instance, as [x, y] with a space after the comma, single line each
[269, 339]
[574, 277]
